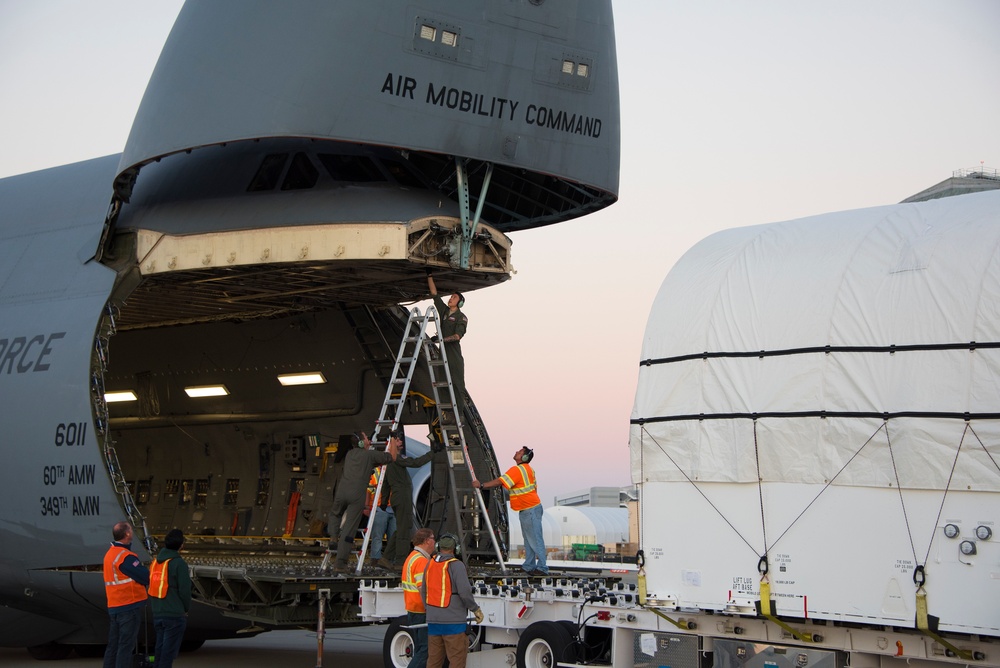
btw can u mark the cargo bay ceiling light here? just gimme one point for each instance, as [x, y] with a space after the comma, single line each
[124, 395]
[308, 378]
[206, 391]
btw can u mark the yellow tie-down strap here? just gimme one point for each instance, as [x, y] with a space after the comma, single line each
[765, 609]
[679, 623]
[924, 627]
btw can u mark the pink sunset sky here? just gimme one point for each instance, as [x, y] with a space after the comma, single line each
[733, 114]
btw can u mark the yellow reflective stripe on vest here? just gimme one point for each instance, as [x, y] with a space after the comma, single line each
[529, 482]
[445, 594]
[114, 571]
[161, 589]
[412, 581]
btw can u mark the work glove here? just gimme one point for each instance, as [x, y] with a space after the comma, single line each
[478, 614]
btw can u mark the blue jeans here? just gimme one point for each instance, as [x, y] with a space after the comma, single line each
[419, 658]
[169, 633]
[384, 525]
[534, 541]
[122, 635]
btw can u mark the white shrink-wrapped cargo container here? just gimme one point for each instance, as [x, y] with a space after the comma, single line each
[819, 399]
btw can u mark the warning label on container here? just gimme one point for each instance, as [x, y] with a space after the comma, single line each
[745, 586]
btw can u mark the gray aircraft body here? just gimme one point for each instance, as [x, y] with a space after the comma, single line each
[293, 172]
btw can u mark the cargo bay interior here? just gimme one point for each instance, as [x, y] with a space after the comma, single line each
[215, 444]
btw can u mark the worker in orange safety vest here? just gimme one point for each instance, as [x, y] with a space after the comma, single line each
[447, 595]
[125, 581]
[413, 577]
[170, 598]
[523, 488]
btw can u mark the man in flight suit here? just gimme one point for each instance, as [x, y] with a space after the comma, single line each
[349, 501]
[453, 324]
[397, 479]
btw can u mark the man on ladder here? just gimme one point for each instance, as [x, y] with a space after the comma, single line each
[414, 345]
[452, 328]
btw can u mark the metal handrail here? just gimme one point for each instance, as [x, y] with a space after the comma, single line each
[976, 173]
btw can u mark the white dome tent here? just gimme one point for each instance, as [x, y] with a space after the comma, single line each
[563, 526]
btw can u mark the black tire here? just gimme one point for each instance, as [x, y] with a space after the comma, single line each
[397, 645]
[50, 652]
[545, 644]
[90, 651]
[191, 645]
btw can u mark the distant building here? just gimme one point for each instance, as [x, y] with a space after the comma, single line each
[599, 497]
[962, 182]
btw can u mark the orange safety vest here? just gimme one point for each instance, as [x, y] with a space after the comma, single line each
[159, 582]
[520, 482]
[438, 583]
[370, 494]
[119, 588]
[413, 577]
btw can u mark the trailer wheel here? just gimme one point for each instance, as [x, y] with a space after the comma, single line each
[545, 644]
[397, 646]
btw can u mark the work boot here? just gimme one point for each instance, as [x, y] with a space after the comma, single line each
[384, 563]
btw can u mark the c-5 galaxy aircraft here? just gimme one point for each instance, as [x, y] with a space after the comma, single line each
[292, 173]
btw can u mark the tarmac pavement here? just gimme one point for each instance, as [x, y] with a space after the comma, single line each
[357, 647]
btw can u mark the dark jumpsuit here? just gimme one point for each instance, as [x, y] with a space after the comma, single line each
[451, 324]
[397, 479]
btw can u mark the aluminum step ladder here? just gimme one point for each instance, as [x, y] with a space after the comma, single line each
[397, 386]
[472, 517]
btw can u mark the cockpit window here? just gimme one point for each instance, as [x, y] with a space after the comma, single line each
[401, 174]
[356, 168]
[301, 175]
[268, 173]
